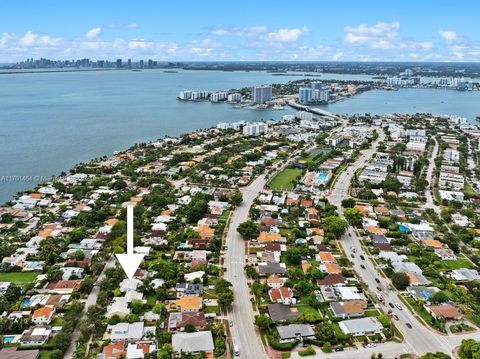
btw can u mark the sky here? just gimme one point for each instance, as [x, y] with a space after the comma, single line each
[242, 30]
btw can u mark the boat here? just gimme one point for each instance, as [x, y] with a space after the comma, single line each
[170, 72]
[137, 70]
[277, 107]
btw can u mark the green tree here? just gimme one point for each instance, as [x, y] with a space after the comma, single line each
[438, 355]
[263, 322]
[248, 229]
[348, 203]
[469, 349]
[354, 216]
[400, 280]
[293, 256]
[335, 225]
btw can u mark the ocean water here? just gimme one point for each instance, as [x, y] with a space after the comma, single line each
[51, 121]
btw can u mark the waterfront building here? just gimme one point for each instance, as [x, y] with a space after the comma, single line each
[218, 96]
[234, 97]
[262, 94]
[305, 95]
[255, 129]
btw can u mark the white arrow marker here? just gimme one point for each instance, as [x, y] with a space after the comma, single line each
[130, 261]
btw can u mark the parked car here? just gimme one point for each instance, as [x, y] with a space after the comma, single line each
[391, 305]
[377, 280]
[409, 325]
[362, 257]
[362, 266]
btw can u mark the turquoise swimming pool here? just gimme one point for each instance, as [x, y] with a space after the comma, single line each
[322, 178]
[8, 339]
[25, 303]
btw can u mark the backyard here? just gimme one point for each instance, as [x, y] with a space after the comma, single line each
[18, 277]
[285, 179]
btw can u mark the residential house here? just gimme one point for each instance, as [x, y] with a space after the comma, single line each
[43, 315]
[349, 309]
[446, 311]
[361, 326]
[291, 332]
[280, 312]
[188, 304]
[194, 343]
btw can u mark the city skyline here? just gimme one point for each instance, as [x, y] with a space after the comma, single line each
[404, 31]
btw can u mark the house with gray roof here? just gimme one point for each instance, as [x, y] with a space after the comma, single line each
[194, 343]
[129, 332]
[280, 312]
[291, 332]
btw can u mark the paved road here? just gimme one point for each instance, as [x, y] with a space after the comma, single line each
[243, 331]
[418, 339]
[91, 300]
[429, 203]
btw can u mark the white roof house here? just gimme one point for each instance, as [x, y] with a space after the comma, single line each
[348, 293]
[193, 342]
[126, 331]
[361, 326]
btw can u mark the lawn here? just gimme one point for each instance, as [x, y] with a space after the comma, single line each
[372, 313]
[461, 262]
[284, 180]
[45, 354]
[18, 277]
[310, 310]
[212, 309]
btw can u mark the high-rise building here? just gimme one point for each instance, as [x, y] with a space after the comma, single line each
[234, 97]
[119, 63]
[305, 95]
[262, 94]
[316, 85]
[255, 129]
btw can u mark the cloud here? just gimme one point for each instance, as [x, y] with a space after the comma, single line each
[94, 33]
[238, 31]
[449, 36]
[131, 25]
[287, 35]
[380, 35]
[31, 39]
[140, 44]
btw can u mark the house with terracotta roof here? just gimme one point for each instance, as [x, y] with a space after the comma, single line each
[349, 309]
[382, 211]
[283, 295]
[331, 268]
[446, 311]
[43, 315]
[205, 232]
[265, 237]
[367, 210]
[375, 230]
[114, 350]
[178, 320]
[275, 281]
[188, 304]
[332, 280]
[432, 243]
[306, 266]
[326, 257]
[63, 286]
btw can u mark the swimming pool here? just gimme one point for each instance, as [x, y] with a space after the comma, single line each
[25, 303]
[403, 228]
[322, 177]
[8, 339]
